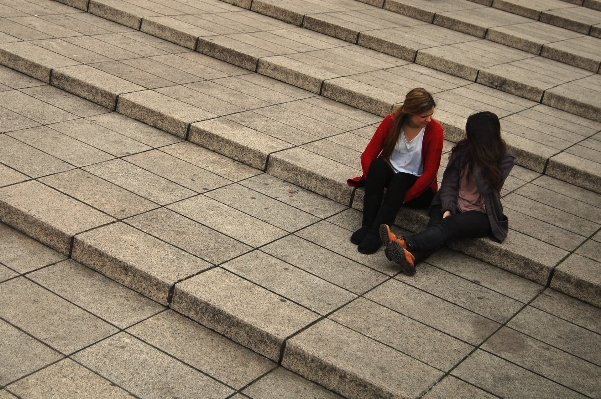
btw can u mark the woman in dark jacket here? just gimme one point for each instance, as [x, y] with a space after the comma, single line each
[468, 203]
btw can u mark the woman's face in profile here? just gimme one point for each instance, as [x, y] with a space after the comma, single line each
[421, 120]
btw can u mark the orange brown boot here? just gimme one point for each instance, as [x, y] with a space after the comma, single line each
[387, 236]
[397, 253]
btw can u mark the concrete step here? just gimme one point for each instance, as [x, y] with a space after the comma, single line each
[457, 54]
[140, 68]
[250, 43]
[263, 261]
[381, 28]
[579, 16]
[182, 226]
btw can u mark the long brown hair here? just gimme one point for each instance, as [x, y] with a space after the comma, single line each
[486, 147]
[417, 101]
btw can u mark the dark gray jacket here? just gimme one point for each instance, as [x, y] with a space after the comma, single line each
[449, 192]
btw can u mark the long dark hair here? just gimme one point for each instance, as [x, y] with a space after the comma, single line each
[486, 147]
[417, 101]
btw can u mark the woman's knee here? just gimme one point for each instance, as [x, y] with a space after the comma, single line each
[378, 166]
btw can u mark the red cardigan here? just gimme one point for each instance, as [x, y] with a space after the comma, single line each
[431, 153]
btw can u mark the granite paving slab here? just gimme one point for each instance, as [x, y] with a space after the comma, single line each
[188, 235]
[203, 349]
[108, 140]
[402, 333]
[161, 111]
[93, 84]
[49, 318]
[134, 75]
[556, 365]
[210, 161]
[322, 353]
[178, 171]
[488, 371]
[136, 259]
[531, 37]
[146, 371]
[235, 141]
[53, 381]
[35, 109]
[569, 309]
[290, 282]
[65, 101]
[228, 220]
[121, 12]
[451, 386]
[442, 315]
[82, 286]
[557, 332]
[22, 354]
[578, 19]
[282, 382]
[338, 270]
[6, 273]
[257, 318]
[464, 293]
[32, 60]
[294, 196]
[53, 221]
[140, 181]
[134, 130]
[24, 254]
[101, 47]
[579, 276]
[581, 52]
[263, 207]
[10, 121]
[61, 146]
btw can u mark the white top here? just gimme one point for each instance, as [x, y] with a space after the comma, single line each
[407, 155]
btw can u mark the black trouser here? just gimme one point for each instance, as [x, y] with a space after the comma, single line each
[472, 224]
[380, 208]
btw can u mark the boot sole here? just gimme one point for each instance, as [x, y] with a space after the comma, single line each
[384, 237]
[396, 253]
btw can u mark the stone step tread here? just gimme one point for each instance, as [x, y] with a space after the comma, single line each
[360, 25]
[558, 13]
[162, 169]
[348, 351]
[262, 261]
[232, 50]
[174, 108]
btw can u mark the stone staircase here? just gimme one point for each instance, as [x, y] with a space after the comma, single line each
[293, 89]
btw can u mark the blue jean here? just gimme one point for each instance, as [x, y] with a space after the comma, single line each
[472, 224]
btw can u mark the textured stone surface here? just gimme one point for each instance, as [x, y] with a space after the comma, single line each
[579, 277]
[202, 348]
[482, 366]
[135, 259]
[145, 371]
[82, 286]
[92, 84]
[257, 319]
[23, 254]
[22, 354]
[53, 221]
[67, 379]
[321, 353]
[49, 318]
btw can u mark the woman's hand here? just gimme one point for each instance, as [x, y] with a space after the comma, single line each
[446, 214]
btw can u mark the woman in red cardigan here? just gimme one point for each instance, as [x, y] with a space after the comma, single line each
[399, 164]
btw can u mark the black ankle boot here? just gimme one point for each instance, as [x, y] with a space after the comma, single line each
[359, 235]
[370, 244]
